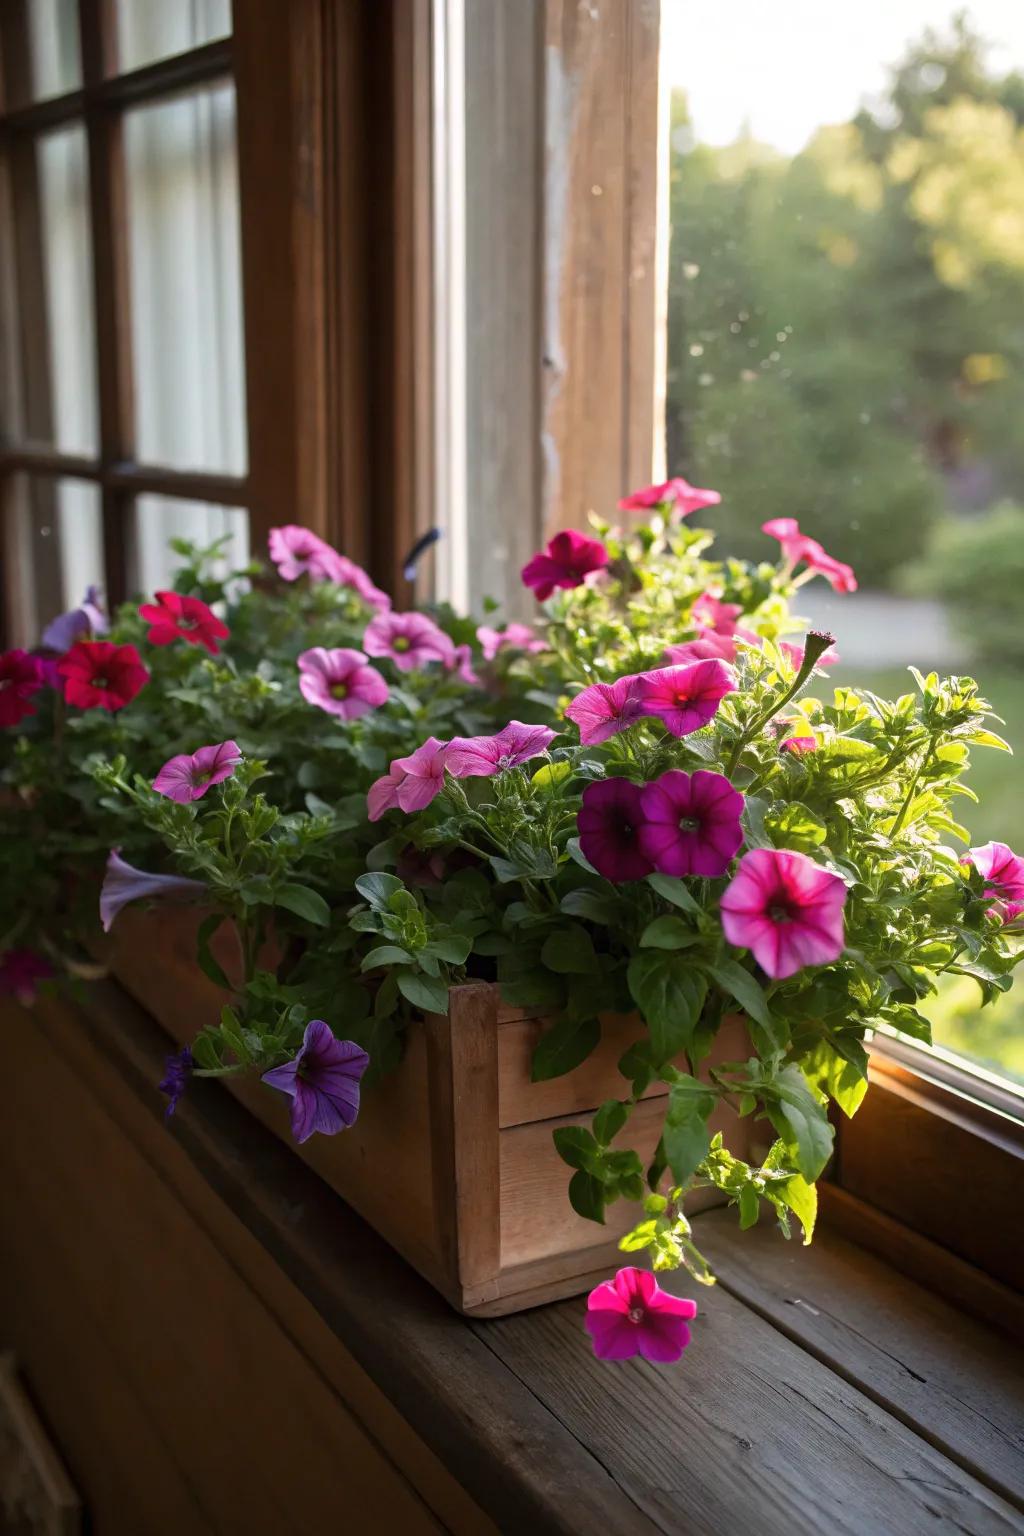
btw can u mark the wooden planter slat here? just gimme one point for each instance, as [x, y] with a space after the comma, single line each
[452, 1158]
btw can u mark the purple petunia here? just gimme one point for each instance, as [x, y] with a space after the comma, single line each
[185, 778]
[609, 824]
[691, 823]
[483, 756]
[78, 623]
[123, 884]
[322, 1082]
[177, 1074]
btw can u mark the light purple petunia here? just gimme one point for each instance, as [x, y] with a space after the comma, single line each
[410, 640]
[185, 778]
[322, 1082]
[632, 1315]
[481, 757]
[341, 682]
[88, 618]
[123, 884]
[422, 775]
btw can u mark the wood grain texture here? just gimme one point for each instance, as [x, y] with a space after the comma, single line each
[749, 1434]
[957, 1383]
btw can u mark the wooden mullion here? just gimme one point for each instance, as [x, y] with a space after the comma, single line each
[194, 485]
[39, 459]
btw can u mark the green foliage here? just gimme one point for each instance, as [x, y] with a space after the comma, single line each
[977, 567]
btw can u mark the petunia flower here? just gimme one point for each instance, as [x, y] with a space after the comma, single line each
[482, 756]
[340, 682]
[514, 637]
[462, 665]
[706, 647]
[185, 778]
[422, 775]
[301, 552]
[569, 558]
[87, 619]
[691, 823]
[786, 910]
[21, 971]
[632, 1315]
[177, 1074]
[410, 640]
[21, 675]
[795, 655]
[686, 698]
[123, 884]
[710, 614]
[604, 709]
[346, 573]
[383, 793]
[322, 1082]
[677, 493]
[101, 675]
[799, 744]
[1003, 873]
[174, 617]
[609, 824]
[797, 547]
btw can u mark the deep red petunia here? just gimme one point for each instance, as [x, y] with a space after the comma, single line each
[101, 675]
[174, 617]
[609, 823]
[21, 675]
[568, 560]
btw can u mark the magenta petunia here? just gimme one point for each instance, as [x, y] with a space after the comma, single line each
[481, 757]
[341, 682]
[101, 675]
[685, 698]
[185, 778]
[706, 647]
[383, 793]
[174, 617]
[677, 493]
[609, 824]
[322, 1082]
[797, 547]
[570, 557]
[709, 613]
[604, 709]
[514, 637]
[691, 823]
[1003, 873]
[89, 618]
[422, 775]
[122, 884]
[632, 1315]
[786, 910]
[21, 971]
[410, 640]
[21, 675]
[799, 744]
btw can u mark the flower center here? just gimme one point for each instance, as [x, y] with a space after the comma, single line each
[400, 643]
[636, 1314]
[185, 623]
[100, 682]
[339, 690]
[689, 823]
[781, 911]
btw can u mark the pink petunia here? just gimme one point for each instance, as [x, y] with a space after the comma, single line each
[481, 757]
[346, 573]
[797, 547]
[677, 493]
[514, 637]
[174, 617]
[707, 647]
[186, 778]
[604, 709]
[709, 613]
[21, 675]
[1003, 873]
[410, 640]
[382, 795]
[685, 698]
[422, 775]
[799, 744]
[795, 655]
[301, 552]
[786, 910]
[568, 560]
[462, 665]
[609, 824]
[691, 823]
[340, 682]
[632, 1315]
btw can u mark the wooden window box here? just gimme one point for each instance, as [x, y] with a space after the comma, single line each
[452, 1158]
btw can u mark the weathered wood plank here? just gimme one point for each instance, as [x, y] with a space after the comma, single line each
[749, 1433]
[953, 1381]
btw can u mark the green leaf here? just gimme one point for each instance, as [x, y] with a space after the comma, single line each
[748, 992]
[586, 1196]
[563, 1047]
[207, 964]
[841, 1071]
[669, 991]
[802, 1200]
[989, 739]
[593, 905]
[423, 991]
[569, 951]
[386, 954]
[796, 827]
[231, 1033]
[454, 949]
[551, 775]
[609, 1120]
[686, 1136]
[305, 903]
[750, 1207]
[576, 1146]
[377, 888]
[674, 890]
[642, 1236]
[668, 933]
[577, 855]
[800, 1119]
[533, 989]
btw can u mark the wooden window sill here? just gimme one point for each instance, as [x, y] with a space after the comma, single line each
[823, 1390]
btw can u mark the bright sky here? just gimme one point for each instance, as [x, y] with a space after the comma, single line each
[788, 66]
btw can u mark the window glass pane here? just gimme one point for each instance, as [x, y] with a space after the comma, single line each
[56, 549]
[66, 262]
[155, 29]
[41, 50]
[186, 282]
[846, 281]
[158, 519]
